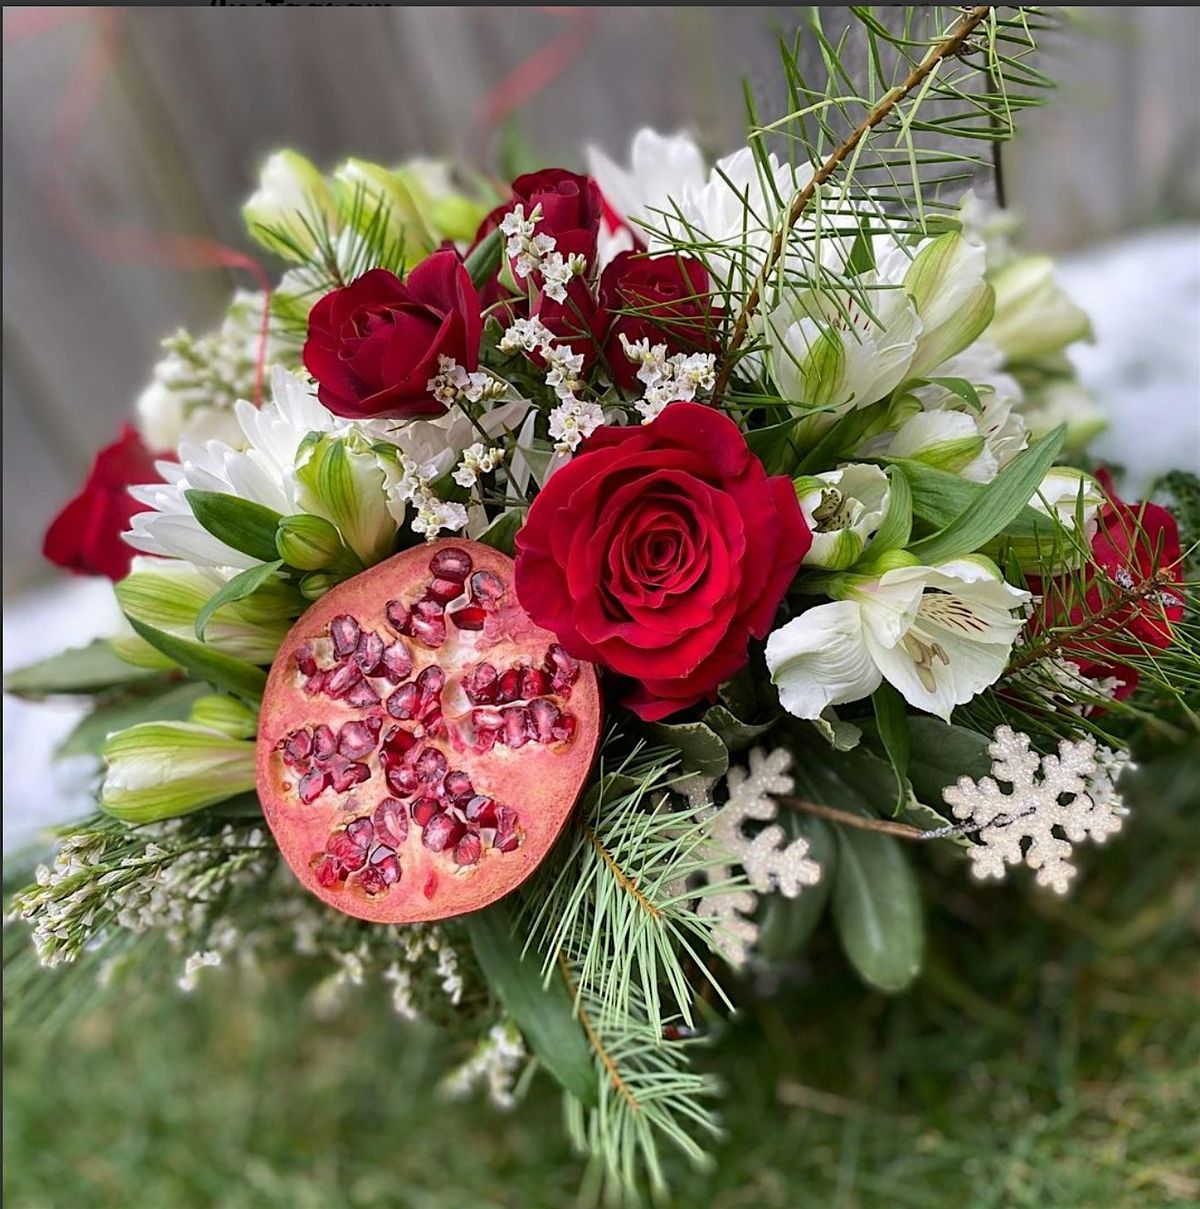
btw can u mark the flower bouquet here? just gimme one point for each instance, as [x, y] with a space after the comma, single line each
[559, 597]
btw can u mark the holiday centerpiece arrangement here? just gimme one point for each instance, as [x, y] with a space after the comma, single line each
[559, 597]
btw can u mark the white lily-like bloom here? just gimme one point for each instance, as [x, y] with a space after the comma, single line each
[939, 635]
[843, 508]
[1033, 316]
[661, 167]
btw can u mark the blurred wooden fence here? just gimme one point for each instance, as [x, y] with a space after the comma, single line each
[193, 97]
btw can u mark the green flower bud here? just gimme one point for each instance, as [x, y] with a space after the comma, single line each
[218, 711]
[456, 217]
[157, 770]
[371, 196]
[1064, 401]
[955, 303]
[307, 543]
[291, 202]
[316, 583]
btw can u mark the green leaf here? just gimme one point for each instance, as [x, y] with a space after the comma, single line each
[941, 497]
[203, 663]
[86, 669]
[483, 260]
[501, 534]
[775, 446]
[876, 909]
[787, 923]
[844, 437]
[172, 703]
[244, 584]
[731, 730]
[544, 1012]
[241, 524]
[997, 506]
[698, 744]
[892, 721]
[941, 753]
[895, 529]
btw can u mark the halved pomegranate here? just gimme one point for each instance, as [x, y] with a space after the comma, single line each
[421, 741]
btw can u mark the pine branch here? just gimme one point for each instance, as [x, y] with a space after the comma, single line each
[948, 47]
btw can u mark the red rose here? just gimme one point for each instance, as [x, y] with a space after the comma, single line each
[571, 208]
[374, 344]
[659, 551]
[85, 537]
[670, 295]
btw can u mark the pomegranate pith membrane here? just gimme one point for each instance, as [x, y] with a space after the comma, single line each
[421, 741]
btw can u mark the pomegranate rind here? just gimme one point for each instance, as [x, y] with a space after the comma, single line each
[540, 781]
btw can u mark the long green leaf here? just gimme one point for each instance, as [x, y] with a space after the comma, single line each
[240, 524]
[892, 720]
[203, 663]
[544, 1012]
[940, 497]
[244, 584]
[1003, 500]
[86, 669]
[172, 704]
[483, 260]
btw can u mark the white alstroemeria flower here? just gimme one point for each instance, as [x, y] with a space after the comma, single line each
[661, 167]
[292, 199]
[939, 635]
[946, 283]
[1033, 316]
[843, 509]
[1064, 401]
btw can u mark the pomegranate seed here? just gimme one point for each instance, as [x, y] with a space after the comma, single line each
[397, 662]
[402, 781]
[399, 616]
[355, 740]
[451, 563]
[370, 881]
[361, 831]
[385, 864]
[296, 747]
[481, 811]
[428, 607]
[343, 679]
[445, 590]
[312, 785]
[347, 775]
[369, 652]
[324, 744]
[442, 832]
[402, 704]
[458, 785]
[509, 688]
[395, 746]
[468, 850]
[480, 684]
[330, 872]
[362, 696]
[423, 809]
[533, 683]
[391, 821]
[350, 855]
[431, 766]
[543, 717]
[343, 629]
[486, 588]
[516, 726]
[305, 660]
[565, 729]
[471, 617]
[563, 669]
[429, 630]
[316, 682]
[430, 682]
[433, 724]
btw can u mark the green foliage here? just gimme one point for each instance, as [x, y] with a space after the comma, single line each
[244, 584]
[891, 719]
[94, 668]
[166, 700]
[236, 675]
[241, 524]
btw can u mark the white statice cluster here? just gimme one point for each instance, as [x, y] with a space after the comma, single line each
[676, 378]
[536, 253]
[1053, 802]
[771, 863]
[477, 459]
[493, 1064]
[433, 514]
[454, 384]
[194, 389]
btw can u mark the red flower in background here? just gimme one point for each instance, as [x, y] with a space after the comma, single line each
[571, 209]
[659, 552]
[85, 537]
[374, 345]
[670, 295]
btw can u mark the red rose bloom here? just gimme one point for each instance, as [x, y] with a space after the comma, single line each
[670, 295]
[374, 344]
[85, 537]
[659, 551]
[571, 208]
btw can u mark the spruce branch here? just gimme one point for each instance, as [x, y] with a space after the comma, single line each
[947, 47]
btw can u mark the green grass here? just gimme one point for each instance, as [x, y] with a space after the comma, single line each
[1049, 1057]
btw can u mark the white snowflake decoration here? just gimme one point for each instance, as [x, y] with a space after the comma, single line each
[1032, 810]
[771, 863]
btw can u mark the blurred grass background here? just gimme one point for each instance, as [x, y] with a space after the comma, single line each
[1049, 1057]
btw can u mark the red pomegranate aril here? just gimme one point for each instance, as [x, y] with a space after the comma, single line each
[402, 704]
[424, 809]
[486, 588]
[355, 740]
[468, 850]
[312, 785]
[369, 652]
[451, 563]
[323, 743]
[391, 821]
[343, 679]
[397, 662]
[516, 726]
[442, 832]
[563, 669]
[409, 812]
[343, 629]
